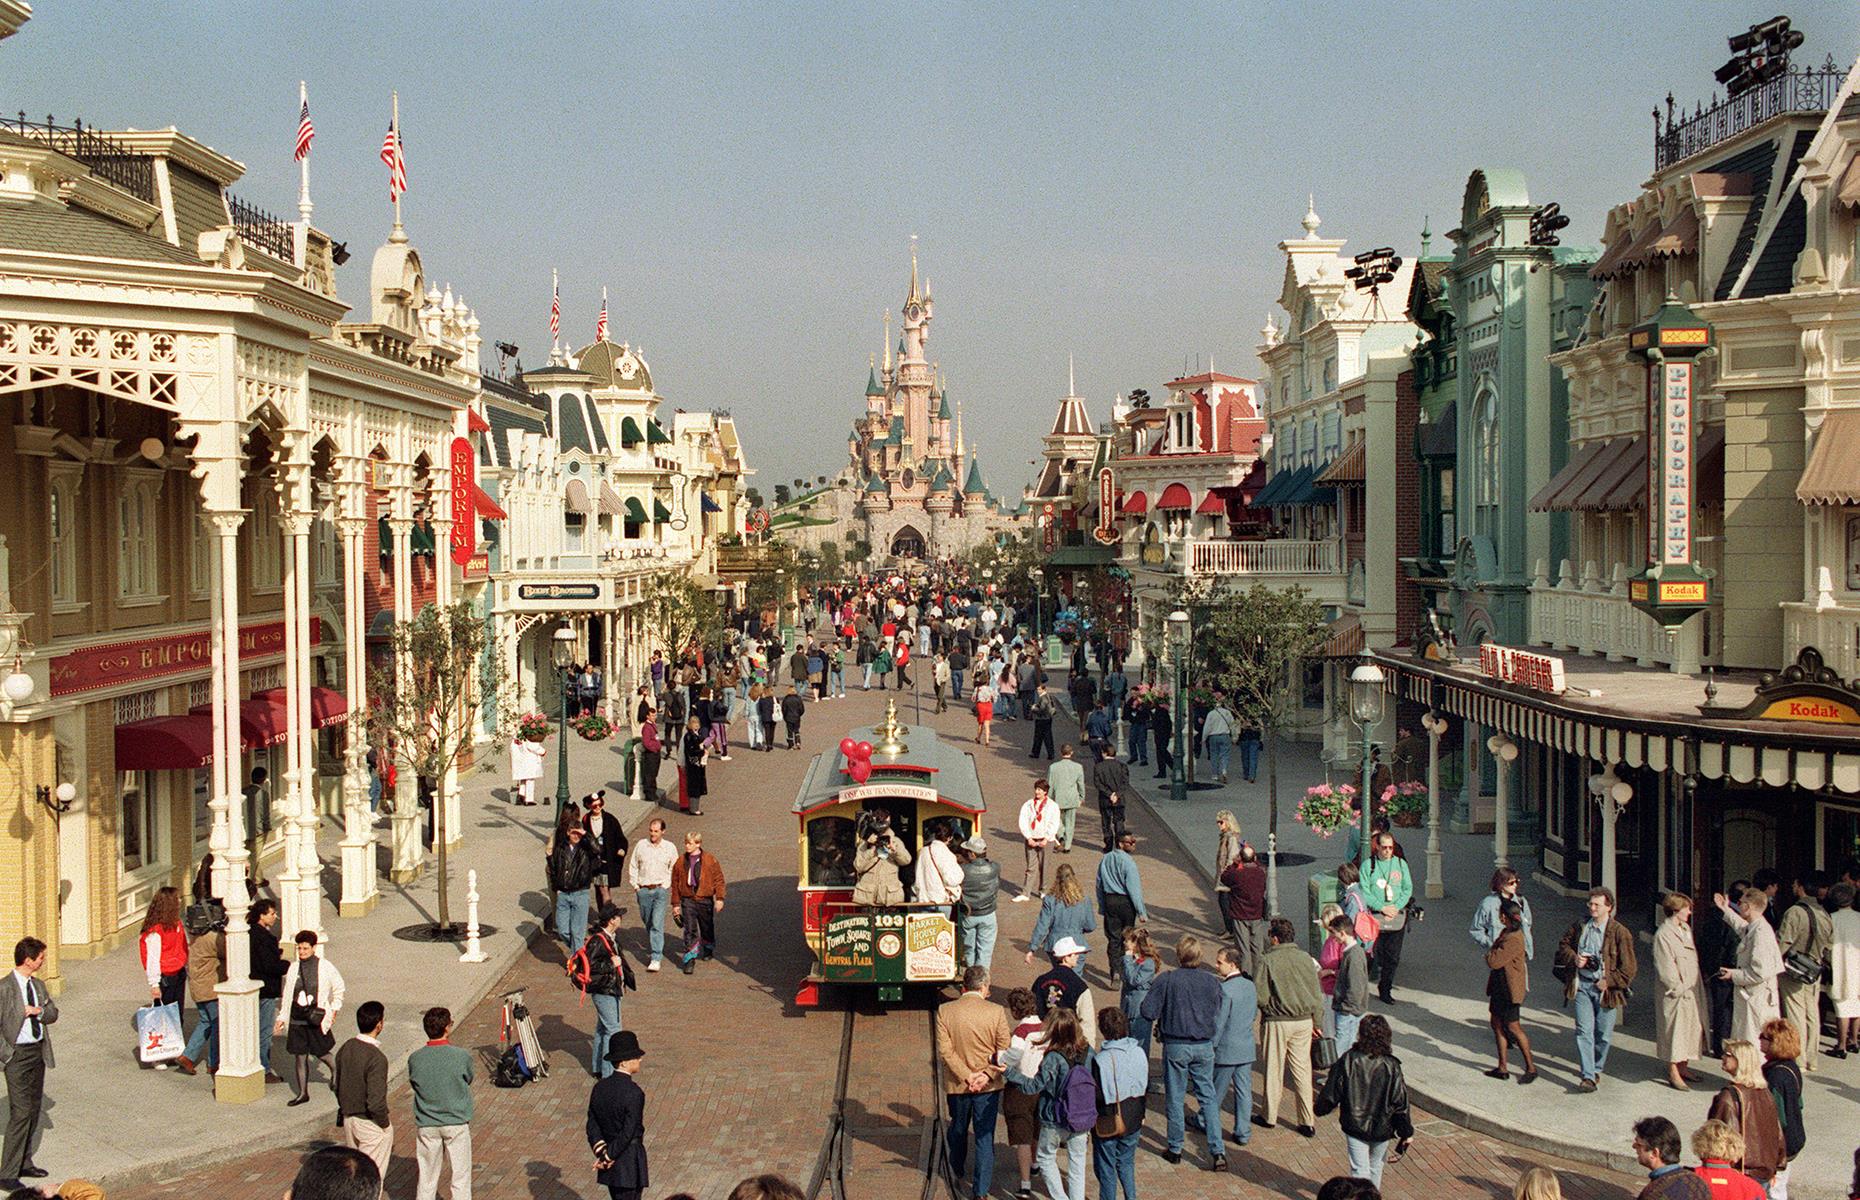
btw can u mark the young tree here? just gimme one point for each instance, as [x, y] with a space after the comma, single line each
[424, 709]
[1256, 644]
[682, 612]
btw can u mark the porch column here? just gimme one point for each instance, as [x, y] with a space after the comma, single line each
[359, 894]
[225, 783]
[309, 869]
[1504, 753]
[1611, 798]
[290, 895]
[240, 1080]
[1434, 726]
[404, 826]
[448, 795]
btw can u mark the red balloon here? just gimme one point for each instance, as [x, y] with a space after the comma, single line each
[860, 770]
[847, 746]
[864, 750]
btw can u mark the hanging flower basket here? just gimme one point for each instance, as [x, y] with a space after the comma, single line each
[1326, 808]
[532, 727]
[593, 726]
[1405, 803]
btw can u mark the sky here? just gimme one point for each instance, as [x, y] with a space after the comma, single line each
[1103, 181]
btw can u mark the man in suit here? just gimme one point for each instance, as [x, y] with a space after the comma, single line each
[26, 1015]
[617, 1121]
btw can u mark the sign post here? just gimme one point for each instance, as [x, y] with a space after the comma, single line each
[1673, 587]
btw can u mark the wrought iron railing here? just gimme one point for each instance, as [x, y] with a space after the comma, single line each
[109, 160]
[1677, 136]
[259, 228]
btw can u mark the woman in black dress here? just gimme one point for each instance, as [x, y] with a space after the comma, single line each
[695, 755]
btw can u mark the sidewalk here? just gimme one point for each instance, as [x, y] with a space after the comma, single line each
[99, 1100]
[1440, 1023]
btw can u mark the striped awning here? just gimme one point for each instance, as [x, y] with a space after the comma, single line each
[487, 507]
[706, 504]
[1212, 505]
[1849, 191]
[1349, 469]
[1833, 472]
[1175, 497]
[611, 505]
[575, 498]
[1346, 637]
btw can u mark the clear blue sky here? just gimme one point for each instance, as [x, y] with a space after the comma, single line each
[745, 178]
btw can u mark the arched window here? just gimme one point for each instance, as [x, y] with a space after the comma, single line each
[137, 541]
[1485, 462]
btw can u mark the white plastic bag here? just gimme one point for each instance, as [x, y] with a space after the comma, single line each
[158, 1033]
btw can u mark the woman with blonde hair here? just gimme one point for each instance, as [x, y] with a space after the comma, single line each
[1228, 849]
[1746, 1105]
[1537, 1183]
[1720, 1149]
[1065, 911]
[1682, 1009]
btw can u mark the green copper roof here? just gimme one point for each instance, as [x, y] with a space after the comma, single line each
[875, 484]
[975, 485]
[942, 482]
[943, 412]
[896, 436]
[871, 385]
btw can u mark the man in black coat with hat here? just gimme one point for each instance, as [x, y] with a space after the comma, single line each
[617, 1121]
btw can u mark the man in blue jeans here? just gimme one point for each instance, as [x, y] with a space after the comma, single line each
[981, 891]
[1185, 1004]
[269, 968]
[971, 1033]
[1234, 1049]
[609, 974]
[649, 870]
[1597, 965]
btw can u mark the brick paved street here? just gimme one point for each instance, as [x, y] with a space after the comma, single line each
[739, 1080]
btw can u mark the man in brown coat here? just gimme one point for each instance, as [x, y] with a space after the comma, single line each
[970, 1032]
[697, 894]
[1596, 964]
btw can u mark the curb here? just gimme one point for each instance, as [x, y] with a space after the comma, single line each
[308, 1127]
[1434, 1101]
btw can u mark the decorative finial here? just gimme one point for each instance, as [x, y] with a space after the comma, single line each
[1311, 221]
[1072, 388]
[890, 734]
[1427, 235]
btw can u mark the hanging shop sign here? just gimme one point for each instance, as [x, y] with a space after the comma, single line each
[1805, 690]
[108, 666]
[1106, 533]
[1673, 587]
[464, 505]
[567, 595]
[1538, 672]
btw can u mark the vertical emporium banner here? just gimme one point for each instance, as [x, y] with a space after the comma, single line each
[464, 508]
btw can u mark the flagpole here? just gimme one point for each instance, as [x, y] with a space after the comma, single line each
[555, 299]
[303, 164]
[399, 234]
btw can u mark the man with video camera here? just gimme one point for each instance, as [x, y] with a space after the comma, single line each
[875, 864]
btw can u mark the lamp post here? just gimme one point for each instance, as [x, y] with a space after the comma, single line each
[1178, 644]
[1366, 708]
[1039, 639]
[562, 654]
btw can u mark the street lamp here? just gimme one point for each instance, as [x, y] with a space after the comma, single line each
[1178, 644]
[1366, 707]
[1039, 640]
[562, 654]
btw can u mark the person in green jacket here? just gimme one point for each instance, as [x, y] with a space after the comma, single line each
[1387, 884]
[441, 1076]
[1290, 1001]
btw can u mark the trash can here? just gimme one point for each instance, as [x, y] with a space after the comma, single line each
[1323, 890]
[629, 768]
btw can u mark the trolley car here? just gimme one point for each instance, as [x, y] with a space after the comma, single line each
[916, 780]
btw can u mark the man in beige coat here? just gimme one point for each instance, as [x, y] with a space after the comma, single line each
[971, 1032]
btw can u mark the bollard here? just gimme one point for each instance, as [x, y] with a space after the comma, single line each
[474, 950]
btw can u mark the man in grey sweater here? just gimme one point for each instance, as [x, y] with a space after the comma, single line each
[1349, 998]
[441, 1076]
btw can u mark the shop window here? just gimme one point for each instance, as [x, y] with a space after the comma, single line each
[574, 533]
[199, 692]
[1448, 535]
[1312, 686]
[61, 522]
[1852, 544]
[1839, 837]
[203, 815]
[328, 558]
[138, 541]
[138, 706]
[139, 840]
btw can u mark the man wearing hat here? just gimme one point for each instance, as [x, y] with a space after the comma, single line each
[617, 1121]
[981, 888]
[1064, 987]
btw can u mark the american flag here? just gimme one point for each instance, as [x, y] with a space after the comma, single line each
[306, 133]
[555, 311]
[394, 154]
[600, 326]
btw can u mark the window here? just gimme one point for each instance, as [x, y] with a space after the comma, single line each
[1485, 464]
[62, 521]
[1448, 535]
[328, 559]
[1330, 373]
[574, 531]
[139, 828]
[138, 541]
[1312, 685]
[200, 558]
[266, 548]
[138, 706]
[199, 692]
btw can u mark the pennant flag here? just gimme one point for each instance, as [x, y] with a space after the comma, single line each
[306, 133]
[600, 326]
[555, 306]
[394, 154]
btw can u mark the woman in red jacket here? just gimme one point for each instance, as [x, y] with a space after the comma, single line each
[164, 948]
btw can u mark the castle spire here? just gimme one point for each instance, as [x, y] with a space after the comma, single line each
[886, 347]
[958, 428]
[1072, 387]
[1312, 220]
[913, 294]
[1427, 236]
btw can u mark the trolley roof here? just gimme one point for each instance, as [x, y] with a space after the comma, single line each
[927, 762]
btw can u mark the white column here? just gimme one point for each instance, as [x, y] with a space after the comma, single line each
[240, 1080]
[359, 894]
[1434, 726]
[1504, 753]
[408, 856]
[290, 895]
[1611, 797]
[308, 820]
[221, 838]
[450, 817]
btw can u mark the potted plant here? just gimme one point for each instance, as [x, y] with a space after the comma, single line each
[1404, 803]
[593, 726]
[532, 727]
[1327, 808]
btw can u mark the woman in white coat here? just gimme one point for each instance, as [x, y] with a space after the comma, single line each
[1844, 955]
[312, 997]
[526, 767]
[1759, 962]
[1681, 1017]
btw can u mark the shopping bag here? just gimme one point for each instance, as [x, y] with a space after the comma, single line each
[158, 1033]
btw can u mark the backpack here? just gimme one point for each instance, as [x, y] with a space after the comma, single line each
[1078, 1102]
[580, 968]
[509, 1072]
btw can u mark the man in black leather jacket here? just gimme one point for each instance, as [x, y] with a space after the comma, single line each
[571, 870]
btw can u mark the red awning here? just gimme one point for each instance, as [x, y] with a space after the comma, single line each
[1212, 505]
[327, 705]
[476, 423]
[165, 744]
[261, 723]
[487, 507]
[1135, 504]
[1175, 496]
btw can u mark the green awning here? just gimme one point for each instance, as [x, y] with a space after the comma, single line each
[656, 435]
[384, 537]
[660, 512]
[422, 539]
[635, 511]
[629, 432]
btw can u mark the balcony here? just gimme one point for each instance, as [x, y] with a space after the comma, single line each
[1284, 557]
[1833, 629]
[1590, 614]
[1802, 91]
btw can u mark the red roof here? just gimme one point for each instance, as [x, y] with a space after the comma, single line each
[487, 507]
[1175, 496]
[327, 706]
[1135, 504]
[164, 744]
[1212, 505]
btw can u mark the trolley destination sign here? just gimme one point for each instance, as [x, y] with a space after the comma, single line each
[902, 944]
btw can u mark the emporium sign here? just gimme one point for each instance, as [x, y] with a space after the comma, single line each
[108, 666]
[1538, 672]
[464, 505]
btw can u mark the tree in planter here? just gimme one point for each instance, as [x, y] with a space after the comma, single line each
[682, 611]
[425, 711]
[1257, 643]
